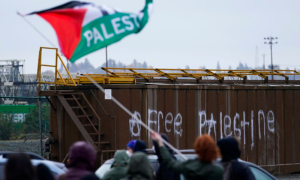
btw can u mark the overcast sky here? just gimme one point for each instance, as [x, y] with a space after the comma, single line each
[180, 33]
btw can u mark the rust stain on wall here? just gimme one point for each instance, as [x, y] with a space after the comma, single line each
[265, 118]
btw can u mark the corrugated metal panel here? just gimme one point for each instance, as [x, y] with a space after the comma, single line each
[265, 118]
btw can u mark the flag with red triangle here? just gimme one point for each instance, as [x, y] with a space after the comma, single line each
[82, 27]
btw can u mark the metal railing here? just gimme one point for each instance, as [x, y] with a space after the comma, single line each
[130, 75]
[172, 74]
[58, 81]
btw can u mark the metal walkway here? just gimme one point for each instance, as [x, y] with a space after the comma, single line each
[134, 75]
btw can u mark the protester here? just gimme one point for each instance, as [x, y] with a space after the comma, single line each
[90, 177]
[163, 172]
[140, 146]
[119, 167]
[82, 159]
[233, 169]
[43, 173]
[130, 147]
[18, 167]
[199, 168]
[139, 167]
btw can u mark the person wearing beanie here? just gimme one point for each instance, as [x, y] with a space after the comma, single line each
[233, 169]
[130, 147]
[140, 146]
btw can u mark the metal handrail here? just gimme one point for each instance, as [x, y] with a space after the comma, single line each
[57, 81]
[119, 76]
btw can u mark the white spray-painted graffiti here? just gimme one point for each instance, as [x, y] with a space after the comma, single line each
[135, 127]
[208, 124]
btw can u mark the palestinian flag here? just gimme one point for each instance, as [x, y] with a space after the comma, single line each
[83, 27]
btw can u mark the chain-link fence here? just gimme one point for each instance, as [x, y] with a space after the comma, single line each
[20, 126]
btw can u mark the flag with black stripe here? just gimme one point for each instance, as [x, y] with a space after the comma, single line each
[83, 27]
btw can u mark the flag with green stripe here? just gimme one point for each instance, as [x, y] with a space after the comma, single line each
[83, 27]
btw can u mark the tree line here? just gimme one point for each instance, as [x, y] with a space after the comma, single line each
[10, 130]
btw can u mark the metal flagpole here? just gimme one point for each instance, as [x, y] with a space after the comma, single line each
[106, 58]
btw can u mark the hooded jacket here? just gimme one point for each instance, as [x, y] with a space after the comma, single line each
[233, 170]
[163, 171]
[139, 167]
[119, 167]
[192, 169]
[82, 158]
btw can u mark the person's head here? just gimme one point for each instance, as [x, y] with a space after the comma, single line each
[121, 159]
[90, 177]
[140, 146]
[206, 148]
[18, 167]
[130, 146]
[139, 167]
[43, 173]
[166, 138]
[229, 148]
[82, 155]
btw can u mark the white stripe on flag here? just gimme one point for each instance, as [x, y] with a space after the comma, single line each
[91, 14]
[108, 9]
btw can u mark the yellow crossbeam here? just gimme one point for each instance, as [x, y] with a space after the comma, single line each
[130, 75]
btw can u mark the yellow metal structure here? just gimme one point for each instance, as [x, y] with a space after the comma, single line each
[172, 74]
[61, 81]
[130, 75]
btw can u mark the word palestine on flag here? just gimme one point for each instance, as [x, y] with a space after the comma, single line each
[83, 27]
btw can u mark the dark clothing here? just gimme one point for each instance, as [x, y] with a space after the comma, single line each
[18, 167]
[139, 167]
[140, 146]
[229, 148]
[90, 177]
[43, 173]
[192, 169]
[82, 157]
[119, 167]
[163, 171]
[233, 169]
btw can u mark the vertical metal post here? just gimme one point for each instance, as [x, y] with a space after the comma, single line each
[264, 61]
[270, 39]
[40, 119]
[106, 58]
[272, 67]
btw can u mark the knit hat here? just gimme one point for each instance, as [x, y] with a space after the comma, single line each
[131, 144]
[140, 146]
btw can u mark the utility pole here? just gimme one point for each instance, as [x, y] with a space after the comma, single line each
[270, 39]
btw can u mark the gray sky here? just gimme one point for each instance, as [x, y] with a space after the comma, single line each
[180, 33]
